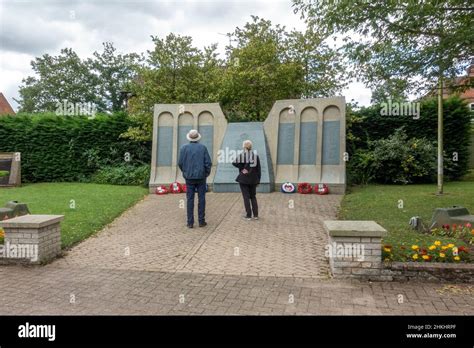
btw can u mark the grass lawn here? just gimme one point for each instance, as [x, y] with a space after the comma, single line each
[380, 203]
[96, 205]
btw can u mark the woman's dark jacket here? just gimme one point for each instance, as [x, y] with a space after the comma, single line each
[250, 161]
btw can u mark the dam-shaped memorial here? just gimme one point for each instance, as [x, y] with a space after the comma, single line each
[301, 140]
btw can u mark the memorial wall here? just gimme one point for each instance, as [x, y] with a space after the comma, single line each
[302, 140]
[171, 123]
[307, 141]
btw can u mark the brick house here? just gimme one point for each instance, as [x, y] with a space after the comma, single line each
[468, 94]
[5, 107]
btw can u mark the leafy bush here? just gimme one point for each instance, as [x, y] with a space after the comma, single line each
[395, 160]
[69, 148]
[368, 124]
[398, 159]
[123, 175]
[360, 169]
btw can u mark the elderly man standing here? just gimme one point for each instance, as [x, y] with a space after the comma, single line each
[195, 163]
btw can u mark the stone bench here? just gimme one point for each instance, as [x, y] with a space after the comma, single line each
[355, 249]
[32, 238]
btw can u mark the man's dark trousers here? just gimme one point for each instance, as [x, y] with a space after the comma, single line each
[191, 188]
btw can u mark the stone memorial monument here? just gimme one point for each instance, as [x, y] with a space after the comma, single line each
[171, 123]
[307, 141]
[302, 140]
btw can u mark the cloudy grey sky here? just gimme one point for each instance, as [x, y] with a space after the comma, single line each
[31, 28]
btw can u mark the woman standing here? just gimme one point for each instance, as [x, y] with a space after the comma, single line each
[249, 177]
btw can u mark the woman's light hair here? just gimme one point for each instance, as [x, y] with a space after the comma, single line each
[247, 144]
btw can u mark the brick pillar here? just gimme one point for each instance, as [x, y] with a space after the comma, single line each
[355, 249]
[33, 239]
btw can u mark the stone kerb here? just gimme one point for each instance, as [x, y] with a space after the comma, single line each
[32, 239]
[355, 249]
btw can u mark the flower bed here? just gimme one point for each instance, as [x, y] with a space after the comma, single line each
[436, 252]
[435, 261]
[462, 232]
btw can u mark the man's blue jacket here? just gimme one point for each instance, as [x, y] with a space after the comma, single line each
[194, 161]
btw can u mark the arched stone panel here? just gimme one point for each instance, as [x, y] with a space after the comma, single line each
[185, 124]
[164, 151]
[206, 129]
[286, 137]
[331, 136]
[308, 136]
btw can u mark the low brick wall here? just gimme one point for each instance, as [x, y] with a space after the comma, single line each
[31, 239]
[436, 271]
[355, 249]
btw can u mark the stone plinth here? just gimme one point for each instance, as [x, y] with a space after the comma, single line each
[36, 238]
[355, 249]
[10, 162]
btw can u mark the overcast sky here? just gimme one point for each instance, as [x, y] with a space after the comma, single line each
[30, 28]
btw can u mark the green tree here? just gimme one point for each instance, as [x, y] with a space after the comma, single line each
[270, 63]
[59, 78]
[324, 73]
[395, 89]
[175, 72]
[66, 77]
[423, 42]
[256, 74]
[113, 72]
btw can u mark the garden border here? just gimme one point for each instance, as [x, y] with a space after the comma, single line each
[434, 271]
[370, 234]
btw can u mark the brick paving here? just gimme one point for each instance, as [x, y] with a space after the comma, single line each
[148, 262]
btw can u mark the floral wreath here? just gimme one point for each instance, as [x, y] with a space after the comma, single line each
[304, 188]
[161, 190]
[288, 187]
[321, 189]
[176, 187]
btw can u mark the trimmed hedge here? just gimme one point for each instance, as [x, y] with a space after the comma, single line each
[69, 148]
[367, 125]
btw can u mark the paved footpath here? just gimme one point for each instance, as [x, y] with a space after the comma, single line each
[148, 262]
